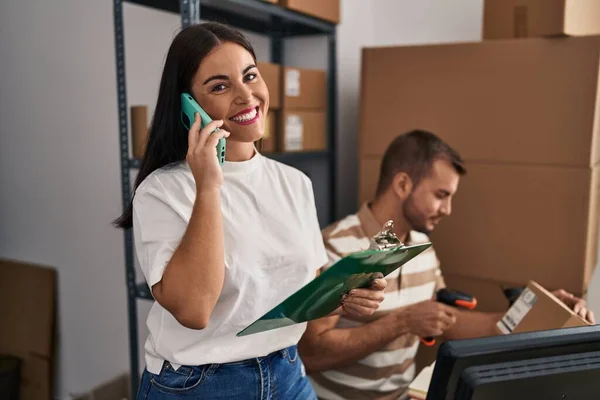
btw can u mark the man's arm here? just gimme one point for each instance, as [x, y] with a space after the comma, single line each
[324, 346]
[473, 324]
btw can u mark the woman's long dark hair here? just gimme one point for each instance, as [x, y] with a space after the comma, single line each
[167, 137]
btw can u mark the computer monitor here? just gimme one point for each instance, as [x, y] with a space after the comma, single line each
[560, 362]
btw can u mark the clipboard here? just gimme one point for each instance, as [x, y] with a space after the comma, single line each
[322, 295]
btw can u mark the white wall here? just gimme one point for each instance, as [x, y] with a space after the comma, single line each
[59, 173]
[59, 160]
[427, 21]
[356, 30]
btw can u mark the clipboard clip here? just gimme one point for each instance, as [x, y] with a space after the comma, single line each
[386, 238]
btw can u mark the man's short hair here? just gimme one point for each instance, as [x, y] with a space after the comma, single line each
[414, 153]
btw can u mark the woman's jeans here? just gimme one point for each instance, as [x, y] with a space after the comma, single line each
[277, 376]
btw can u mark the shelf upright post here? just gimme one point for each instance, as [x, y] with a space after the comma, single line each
[276, 34]
[126, 191]
[332, 123]
[190, 12]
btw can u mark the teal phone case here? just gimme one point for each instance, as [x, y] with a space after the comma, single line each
[189, 107]
[321, 296]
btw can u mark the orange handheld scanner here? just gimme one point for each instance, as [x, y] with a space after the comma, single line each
[452, 298]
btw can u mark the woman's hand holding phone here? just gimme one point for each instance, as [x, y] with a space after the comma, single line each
[202, 154]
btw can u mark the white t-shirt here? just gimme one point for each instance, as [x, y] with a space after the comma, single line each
[273, 246]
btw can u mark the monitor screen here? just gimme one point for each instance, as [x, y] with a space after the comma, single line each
[470, 367]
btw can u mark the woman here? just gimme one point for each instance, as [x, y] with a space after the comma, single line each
[221, 245]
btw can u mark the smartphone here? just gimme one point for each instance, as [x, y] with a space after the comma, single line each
[189, 107]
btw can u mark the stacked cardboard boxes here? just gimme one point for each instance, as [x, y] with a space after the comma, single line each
[297, 113]
[303, 121]
[28, 321]
[505, 19]
[525, 114]
[301, 124]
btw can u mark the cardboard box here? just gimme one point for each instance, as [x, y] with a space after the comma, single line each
[268, 143]
[271, 74]
[537, 309]
[532, 101]
[368, 176]
[302, 131]
[544, 228]
[27, 320]
[36, 378]
[536, 18]
[304, 89]
[328, 10]
[115, 389]
[139, 130]
[515, 223]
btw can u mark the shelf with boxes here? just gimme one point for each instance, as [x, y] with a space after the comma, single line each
[299, 17]
[300, 126]
[298, 103]
[524, 113]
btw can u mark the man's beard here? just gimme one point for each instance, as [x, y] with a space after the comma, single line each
[412, 216]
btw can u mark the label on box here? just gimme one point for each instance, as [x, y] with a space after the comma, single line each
[517, 312]
[292, 83]
[293, 132]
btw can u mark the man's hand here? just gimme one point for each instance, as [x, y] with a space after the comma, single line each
[364, 302]
[576, 304]
[428, 318]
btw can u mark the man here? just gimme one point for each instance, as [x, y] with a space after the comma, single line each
[373, 358]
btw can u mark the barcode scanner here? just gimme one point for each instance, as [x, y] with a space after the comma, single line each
[452, 298]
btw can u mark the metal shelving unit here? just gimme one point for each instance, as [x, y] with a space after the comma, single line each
[253, 15]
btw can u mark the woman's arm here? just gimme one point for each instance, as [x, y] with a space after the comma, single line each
[193, 278]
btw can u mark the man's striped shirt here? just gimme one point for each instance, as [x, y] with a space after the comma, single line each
[386, 373]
